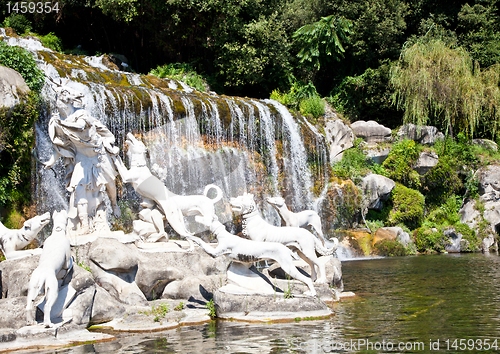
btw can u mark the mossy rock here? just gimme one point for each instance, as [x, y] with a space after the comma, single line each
[407, 207]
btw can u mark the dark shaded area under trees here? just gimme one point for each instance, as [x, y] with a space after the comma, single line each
[247, 47]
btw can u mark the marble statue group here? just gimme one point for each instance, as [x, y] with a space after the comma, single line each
[92, 161]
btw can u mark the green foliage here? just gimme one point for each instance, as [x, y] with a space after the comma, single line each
[121, 10]
[179, 307]
[323, 40]
[429, 240]
[366, 95]
[479, 31]
[353, 164]
[391, 248]
[441, 182]
[445, 214]
[400, 161]
[407, 207]
[314, 106]
[23, 62]
[18, 23]
[472, 242]
[441, 85]
[211, 309]
[158, 311]
[51, 41]
[16, 140]
[182, 72]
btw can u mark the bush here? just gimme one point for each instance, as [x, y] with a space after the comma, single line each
[391, 248]
[446, 214]
[427, 240]
[400, 161]
[17, 139]
[441, 182]
[23, 62]
[51, 41]
[407, 207]
[18, 23]
[314, 106]
[353, 163]
[182, 72]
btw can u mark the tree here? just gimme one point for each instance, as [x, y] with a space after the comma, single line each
[322, 41]
[442, 85]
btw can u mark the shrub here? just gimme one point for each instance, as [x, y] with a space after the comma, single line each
[314, 106]
[407, 207]
[399, 163]
[51, 41]
[16, 140]
[182, 72]
[446, 214]
[441, 182]
[353, 163]
[428, 240]
[23, 62]
[18, 23]
[391, 248]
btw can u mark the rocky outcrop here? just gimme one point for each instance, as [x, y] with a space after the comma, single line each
[486, 143]
[426, 161]
[340, 137]
[377, 155]
[12, 87]
[489, 196]
[371, 131]
[422, 134]
[376, 190]
[392, 234]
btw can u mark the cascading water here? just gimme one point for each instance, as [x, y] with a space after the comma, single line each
[193, 138]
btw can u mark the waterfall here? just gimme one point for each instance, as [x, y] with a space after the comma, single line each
[194, 138]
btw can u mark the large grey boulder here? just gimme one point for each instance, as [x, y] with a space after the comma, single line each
[486, 143]
[376, 189]
[371, 131]
[489, 195]
[15, 275]
[426, 161]
[340, 137]
[105, 307]
[13, 312]
[12, 87]
[423, 134]
[114, 266]
[376, 154]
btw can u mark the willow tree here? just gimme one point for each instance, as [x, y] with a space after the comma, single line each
[440, 85]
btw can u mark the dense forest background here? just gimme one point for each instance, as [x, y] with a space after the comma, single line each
[347, 52]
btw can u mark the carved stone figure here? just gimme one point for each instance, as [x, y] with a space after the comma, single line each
[12, 242]
[85, 144]
[246, 251]
[55, 263]
[173, 206]
[300, 219]
[255, 227]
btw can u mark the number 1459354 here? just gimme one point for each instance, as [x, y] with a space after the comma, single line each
[32, 7]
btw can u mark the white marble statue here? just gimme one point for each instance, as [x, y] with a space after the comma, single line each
[85, 144]
[300, 219]
[55, 263]
[173, 206]
[12, 241]
[257, 229]
[247, 251]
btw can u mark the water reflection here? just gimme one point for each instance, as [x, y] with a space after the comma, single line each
[411, 300]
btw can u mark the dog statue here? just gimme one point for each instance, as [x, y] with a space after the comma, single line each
[300, 219]
[12, 241]
[257, 229]
[246, 251]
[150, 187]
[55, 263]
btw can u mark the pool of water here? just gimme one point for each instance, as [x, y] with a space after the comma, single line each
[402, 304]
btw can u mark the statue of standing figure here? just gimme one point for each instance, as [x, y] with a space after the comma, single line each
[86, 146]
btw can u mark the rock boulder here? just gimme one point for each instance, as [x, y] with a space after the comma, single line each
[423, 134]
[376, 189]
[371, 131]
[12, 87]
